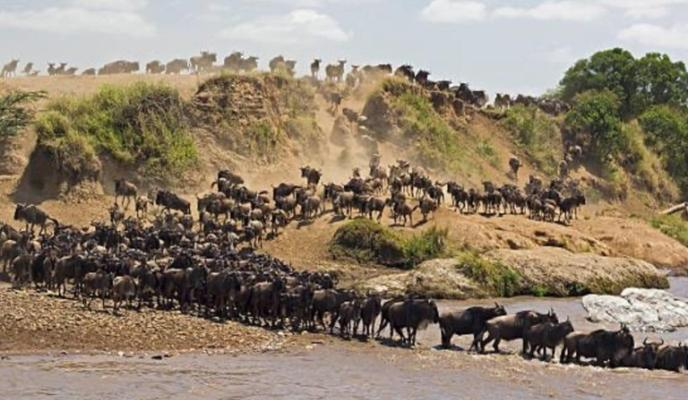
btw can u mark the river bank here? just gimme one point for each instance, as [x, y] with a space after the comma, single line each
[314, 366]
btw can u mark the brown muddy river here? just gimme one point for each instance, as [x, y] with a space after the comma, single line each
[346, 370]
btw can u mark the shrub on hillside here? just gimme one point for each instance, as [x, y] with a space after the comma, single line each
[14, 113]
[495, 277]
[673, 226]
[537, 134]
[438, 145]
[141, 126]
[368, 241]
[666, 130]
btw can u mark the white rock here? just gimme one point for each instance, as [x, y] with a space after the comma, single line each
[644, 310]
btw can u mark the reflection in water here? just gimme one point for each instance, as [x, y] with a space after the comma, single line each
[343, 370]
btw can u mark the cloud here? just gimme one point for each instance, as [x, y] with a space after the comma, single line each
[112, 5]
[644, 9]
[296, 4]
[444, 11]
[116, 17]
[554, 10]
[298, 26]
[675, 37]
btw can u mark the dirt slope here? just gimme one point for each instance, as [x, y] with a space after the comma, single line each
[305, 245]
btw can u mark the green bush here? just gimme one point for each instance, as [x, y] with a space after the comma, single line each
[666, 131]
[537, 134]
[497, 278]
[14, 115]
[262, 138]
[424, 246]
[673, 226]
[438, 145]
[141, 126]
[368, 241]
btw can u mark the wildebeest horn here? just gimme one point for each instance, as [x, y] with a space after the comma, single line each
[662, 339]
[645, 341]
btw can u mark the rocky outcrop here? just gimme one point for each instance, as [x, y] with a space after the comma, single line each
[540, 271]
[645, 310]
[560, 272]
[441, 278]
[635, 238]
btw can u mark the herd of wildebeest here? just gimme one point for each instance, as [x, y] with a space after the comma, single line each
[165, 258]
[237, 62]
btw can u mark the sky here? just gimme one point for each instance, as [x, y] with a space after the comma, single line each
[498, 45]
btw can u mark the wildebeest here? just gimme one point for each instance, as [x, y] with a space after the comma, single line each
[349, 317]
[312, 175]
[412, 314]
[606, 347]
[511, 327]
[170, 201]
[155, 67]
[335, 72]
[644, 356]
[315, 68]
[32, 215]
[672, 358]
[126, 190]
[328, 301]
[547, 335]
[470, 321]
[370, 309]
[123, 289]
[9, 69]
[96, 284]
[204, 62]
[176, 66]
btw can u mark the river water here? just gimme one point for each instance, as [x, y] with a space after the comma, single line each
[332, 368]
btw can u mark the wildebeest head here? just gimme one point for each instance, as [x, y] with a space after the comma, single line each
[160, 197]
[498, 310]
[19, 211]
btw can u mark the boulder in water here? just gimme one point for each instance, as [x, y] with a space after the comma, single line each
[644, 310]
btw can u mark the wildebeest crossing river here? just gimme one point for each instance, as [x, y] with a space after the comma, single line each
[344, 369]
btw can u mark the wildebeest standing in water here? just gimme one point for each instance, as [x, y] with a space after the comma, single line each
[370, 309]
[606, 347]
[547, 335]
[644, 356]
[511, 327]
[412, 314]
[672, 358]
[469, 321]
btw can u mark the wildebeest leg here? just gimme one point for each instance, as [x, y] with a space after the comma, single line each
[496, 344]
[399, 331]
[383, 324]
[414, 331]
[333, 320]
